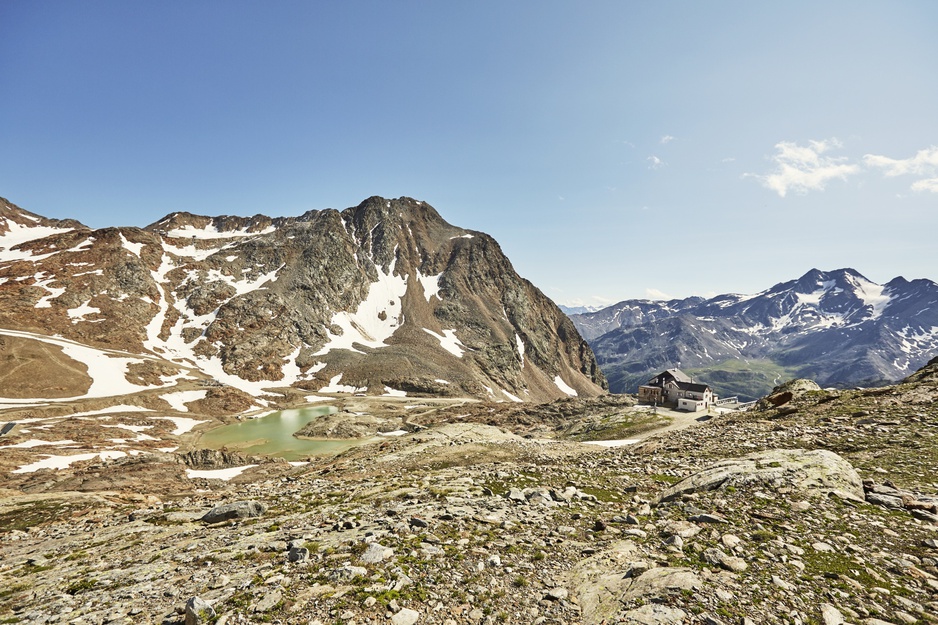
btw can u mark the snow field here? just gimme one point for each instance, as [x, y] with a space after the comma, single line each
[448, 341]
[564, 387]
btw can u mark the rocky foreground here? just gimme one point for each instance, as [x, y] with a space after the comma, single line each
[818, 508]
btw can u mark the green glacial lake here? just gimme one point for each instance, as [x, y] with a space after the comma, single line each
[272, 435]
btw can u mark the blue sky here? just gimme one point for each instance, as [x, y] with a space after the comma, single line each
[614, 149]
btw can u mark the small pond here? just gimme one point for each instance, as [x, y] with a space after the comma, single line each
[272, 435]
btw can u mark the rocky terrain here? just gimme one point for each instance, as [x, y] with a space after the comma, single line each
[835, 327]
[385, 298]
[818, 507]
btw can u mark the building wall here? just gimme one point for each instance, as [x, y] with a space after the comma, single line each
[649, 394]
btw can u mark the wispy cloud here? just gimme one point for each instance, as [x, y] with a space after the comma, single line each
[926, 184]
[923, 164]
[655, 162]
[803, 168]
[667, 139]
[653, 293]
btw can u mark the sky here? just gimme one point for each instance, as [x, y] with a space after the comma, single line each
[615, 150]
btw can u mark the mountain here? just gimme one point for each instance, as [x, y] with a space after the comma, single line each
[629, 313]
[835, 327]
[382, 298]
[575, 310]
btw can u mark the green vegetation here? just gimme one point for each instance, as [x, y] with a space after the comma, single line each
[747, 379]
[620, 426]
[81, 586]
[34, 513]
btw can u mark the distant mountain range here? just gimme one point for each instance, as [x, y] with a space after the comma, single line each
[835, 327]
[382, 298]
[577, 310]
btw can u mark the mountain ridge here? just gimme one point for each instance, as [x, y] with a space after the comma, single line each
[837, 327]
[383, 293]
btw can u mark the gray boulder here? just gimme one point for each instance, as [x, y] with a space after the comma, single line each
[807, 470]
[376, 553]
[405, 617]
[234, 511]
[198, 611]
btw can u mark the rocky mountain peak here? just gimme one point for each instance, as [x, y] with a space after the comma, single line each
[379, 298]
[187, 225]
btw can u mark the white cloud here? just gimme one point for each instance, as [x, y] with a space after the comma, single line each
[805, 168]
[655, 162]
[924, 163]
[926, 184]
[656, 294]
[667, 139]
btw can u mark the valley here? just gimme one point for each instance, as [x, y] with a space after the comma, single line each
[367, 417]
[490, 513]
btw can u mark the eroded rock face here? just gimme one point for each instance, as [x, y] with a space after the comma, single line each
[808, 470]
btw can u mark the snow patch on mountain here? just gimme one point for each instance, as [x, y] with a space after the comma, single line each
[375, 319]
[35, 442]
[431, 285]
[63, 462]
[183, 424]
[179, 399]
[874, 296]
[448, 341]
[134, 248]
[335, 386]
[209, 231]
[242, 286]
[82, 311]
[17, 234]
[564, 387]
[218, 474]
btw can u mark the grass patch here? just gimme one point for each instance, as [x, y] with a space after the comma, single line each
[35, 513]
[617, 426]
[747, 379]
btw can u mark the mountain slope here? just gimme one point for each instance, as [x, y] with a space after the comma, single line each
[836, 327]
[385, 297]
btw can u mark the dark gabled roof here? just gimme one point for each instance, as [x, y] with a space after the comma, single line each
[671, 374]
[696, 388]
[678, 375]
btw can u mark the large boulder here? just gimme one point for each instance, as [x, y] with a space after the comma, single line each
[234, 511]
[619, 574]
[786, 392]
[807, 470]
[199, 612]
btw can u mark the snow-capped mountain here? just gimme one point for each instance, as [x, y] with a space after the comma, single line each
[836, 327]
[382, 298]
[576, 310]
